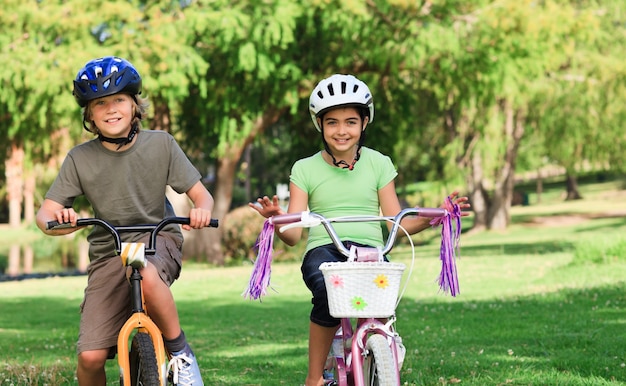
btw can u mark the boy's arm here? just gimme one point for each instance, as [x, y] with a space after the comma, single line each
[200, 214]
[53, 211]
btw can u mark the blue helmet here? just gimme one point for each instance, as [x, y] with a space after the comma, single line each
[105, 76]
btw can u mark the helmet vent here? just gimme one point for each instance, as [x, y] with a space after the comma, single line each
[356, 87]
[98, 71]
[331, 90]
[319, 94]
[343, 87]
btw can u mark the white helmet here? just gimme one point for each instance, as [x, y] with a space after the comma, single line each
[336, 91]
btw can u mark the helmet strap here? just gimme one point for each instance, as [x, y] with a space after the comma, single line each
[120, 141]
[343, 164]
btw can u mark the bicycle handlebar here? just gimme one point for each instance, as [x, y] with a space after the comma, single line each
[311, 219]
[115, 231]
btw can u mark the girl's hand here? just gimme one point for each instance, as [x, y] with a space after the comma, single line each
[462, 202]
[266, 207]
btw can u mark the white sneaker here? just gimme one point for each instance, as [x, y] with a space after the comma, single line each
[184, 369]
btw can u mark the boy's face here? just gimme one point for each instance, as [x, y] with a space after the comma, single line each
[113, 114]
[342, 130]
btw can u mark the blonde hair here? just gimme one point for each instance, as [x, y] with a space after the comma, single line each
[141, 106]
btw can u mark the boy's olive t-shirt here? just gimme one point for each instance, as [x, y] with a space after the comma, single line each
[126, 187]
[335, 192]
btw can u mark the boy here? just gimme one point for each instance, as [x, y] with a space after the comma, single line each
[123, 173]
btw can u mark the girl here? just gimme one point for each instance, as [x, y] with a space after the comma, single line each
[344, 179]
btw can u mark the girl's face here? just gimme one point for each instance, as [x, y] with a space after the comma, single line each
[112, 114]
[342, 129]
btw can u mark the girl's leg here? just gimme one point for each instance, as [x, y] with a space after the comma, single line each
[320, 340]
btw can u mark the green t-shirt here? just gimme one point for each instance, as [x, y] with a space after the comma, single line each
[126, 187]
[334, 192]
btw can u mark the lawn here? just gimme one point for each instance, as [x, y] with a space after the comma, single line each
[543, 303]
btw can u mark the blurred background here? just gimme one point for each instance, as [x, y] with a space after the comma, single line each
[493, 98]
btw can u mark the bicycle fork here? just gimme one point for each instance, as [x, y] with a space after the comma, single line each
[141, 322]
[358, 348]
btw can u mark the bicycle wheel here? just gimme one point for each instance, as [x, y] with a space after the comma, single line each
[143, 362]
[378, 366]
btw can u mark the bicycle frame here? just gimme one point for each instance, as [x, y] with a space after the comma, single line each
[133, 255]
[139, 321]
[349, 367]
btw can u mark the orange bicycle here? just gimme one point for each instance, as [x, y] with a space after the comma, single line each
[145, 362]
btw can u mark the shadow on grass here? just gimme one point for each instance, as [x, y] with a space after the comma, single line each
[571, 337]
[513, 249]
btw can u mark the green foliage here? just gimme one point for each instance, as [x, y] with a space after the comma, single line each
[4, 263]
[219, 74]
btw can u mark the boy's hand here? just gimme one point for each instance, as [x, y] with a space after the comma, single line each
[198, 218]
[66, 215]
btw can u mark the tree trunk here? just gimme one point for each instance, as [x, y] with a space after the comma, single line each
[14, 166]
[539, 189]
[161, 119]
[477, 193]
[29, 198]
[206, 243]
[499, 210]
[571, 183]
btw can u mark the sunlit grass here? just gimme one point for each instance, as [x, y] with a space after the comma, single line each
[530, 312]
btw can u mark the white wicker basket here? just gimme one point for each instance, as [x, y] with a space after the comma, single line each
[362, 289]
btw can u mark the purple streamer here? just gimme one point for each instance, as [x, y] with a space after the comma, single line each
[260, 277]
[450, 236]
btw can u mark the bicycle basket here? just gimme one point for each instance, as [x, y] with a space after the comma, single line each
[362, 289]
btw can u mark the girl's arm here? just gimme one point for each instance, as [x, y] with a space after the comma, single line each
[390, 206]
[298, 202]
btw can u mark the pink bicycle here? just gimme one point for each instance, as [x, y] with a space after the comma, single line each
[363, 293]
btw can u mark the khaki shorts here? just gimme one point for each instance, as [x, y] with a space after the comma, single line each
[106, 304]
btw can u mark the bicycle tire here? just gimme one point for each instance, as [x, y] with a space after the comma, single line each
[143, 363]
[378, 366]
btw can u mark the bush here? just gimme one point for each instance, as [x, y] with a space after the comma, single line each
[241, 228]
[4, 263]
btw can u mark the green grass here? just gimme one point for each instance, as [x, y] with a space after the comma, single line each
[543, 303]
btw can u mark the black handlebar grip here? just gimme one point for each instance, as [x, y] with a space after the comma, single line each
[55, 224]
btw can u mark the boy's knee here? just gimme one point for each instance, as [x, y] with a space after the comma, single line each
[92, 360]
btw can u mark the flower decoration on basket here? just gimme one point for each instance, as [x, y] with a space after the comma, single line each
[381, 281]
[337, 281]
[358, 303]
